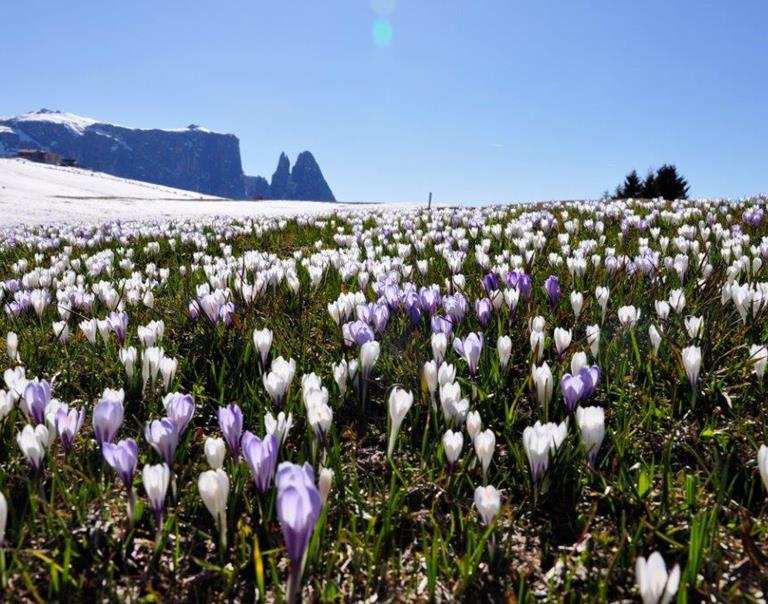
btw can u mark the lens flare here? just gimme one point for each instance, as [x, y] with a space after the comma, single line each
[382, 33]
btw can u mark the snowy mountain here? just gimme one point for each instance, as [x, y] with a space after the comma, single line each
[192, 158]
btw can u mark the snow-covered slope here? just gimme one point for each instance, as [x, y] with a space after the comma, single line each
[25, 180]
[32, 193]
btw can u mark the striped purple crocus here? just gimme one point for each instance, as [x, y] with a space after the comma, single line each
[261, 457]
[298, 508]
[231, 425]
[37, 395]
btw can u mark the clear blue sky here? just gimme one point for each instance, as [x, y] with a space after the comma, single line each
[476, 100]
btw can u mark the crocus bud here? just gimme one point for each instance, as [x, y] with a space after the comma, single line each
[108, 415]
[677, 300]
[68, 424]
[537, 340]
[474, 424]
[544, 383]
[180, 408]
[446, 374]
[340, 376]
[430, 376]
[662, 309]
[469, 349]
[215, 449]
[156, 479]
[6, 404]
[12, 346]
[400, 402]
[324, 482]
[61, 331]
[577, 301]
[655, 338]
[653, 582]
[214, 490]
[692, 364]
[231, 425]
[540, 442]
[504, 348]
[3, 518]
[591, 422]
[33, 442]
[485, 443]
[168, 368]
[37, 395]
[602, 294]
[629, 316]
[90, 329]
[298, 508]
[369, 354]
[123, 458]
[758, 356]
[163, 436]
[261, 457]
[488, 503]
[279, 426]
[128, 357]
[593, 339]
[562, 339]
[578, 360]
[452, 444]
[262, 341]
[762, 464]
[694, 326]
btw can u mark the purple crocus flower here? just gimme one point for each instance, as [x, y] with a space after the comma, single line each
[163, 435]
[194, 310]
[391, 295]
[68, 424]
[412, 305]
[572, 388]
[123, 458]
[231, 424]
[364, 312]
[490, 282]
[298, 508]
[429, 298]
[591, 377]
[552, 289]
[455, 307]
[441, 324]
[521, 281]
[261, 457]
[469, 349]
[107, 417]
[180, 408]
[483, 309]
[210, 306]
[118, 323]
[37, 395]
[225, 313]
[356, 332]
[380, 317]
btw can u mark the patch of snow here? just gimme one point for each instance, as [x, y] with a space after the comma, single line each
[32, 193]
[76, 123]
[6, 130]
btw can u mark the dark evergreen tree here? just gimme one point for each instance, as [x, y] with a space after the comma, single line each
[631, 187]
[649, 188]
[670, 184]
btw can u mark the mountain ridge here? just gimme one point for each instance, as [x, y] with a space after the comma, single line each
[192, 158]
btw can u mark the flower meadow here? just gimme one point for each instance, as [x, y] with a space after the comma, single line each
[551, 402]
